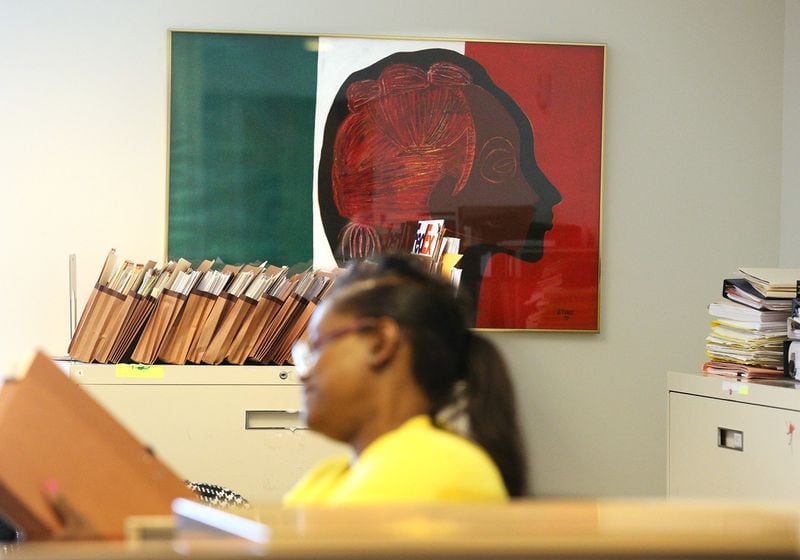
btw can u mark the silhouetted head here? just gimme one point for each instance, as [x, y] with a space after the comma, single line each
[428, 135]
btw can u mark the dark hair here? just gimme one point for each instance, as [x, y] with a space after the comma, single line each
[446, 354]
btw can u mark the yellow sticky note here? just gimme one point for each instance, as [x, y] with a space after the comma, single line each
[737, 387]
[139, 371]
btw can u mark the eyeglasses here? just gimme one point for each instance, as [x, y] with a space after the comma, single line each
[305, 352]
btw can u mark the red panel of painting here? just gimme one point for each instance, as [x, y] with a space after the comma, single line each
[560, 89]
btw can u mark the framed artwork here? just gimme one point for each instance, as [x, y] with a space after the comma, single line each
[301, 147]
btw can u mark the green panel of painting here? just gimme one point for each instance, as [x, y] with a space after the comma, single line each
[241, 147]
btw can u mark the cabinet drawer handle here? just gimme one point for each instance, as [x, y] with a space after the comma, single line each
[730, 439]
[278, 419]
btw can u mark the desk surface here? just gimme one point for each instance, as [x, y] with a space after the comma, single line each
[531, 529]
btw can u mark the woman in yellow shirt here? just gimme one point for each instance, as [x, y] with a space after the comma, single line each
[389, 367]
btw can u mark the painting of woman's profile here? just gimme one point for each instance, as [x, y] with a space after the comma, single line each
[438, 134]
[298, 148]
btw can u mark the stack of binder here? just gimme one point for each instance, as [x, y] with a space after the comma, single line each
[749, 325]
[208, 315]
[791, 347]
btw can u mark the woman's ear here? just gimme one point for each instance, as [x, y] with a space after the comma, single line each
[385, 343]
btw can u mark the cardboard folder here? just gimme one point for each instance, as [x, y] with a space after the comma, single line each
[264, 312]
[281, 351]
[90, 325]
[143, 307]
[210, 314]
[50, 429]
[219, 310]
[261, 291]
[195, 310]
[112, 317]
[107, 306]
[281, 317]
[201, 346]
[168, 309]
[226, 333]
[118, 318]
[158, 327]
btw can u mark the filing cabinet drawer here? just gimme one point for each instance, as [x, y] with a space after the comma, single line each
[723, 448]
[240, 436]
[236, 426]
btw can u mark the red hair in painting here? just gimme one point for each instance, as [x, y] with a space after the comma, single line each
[405, 132]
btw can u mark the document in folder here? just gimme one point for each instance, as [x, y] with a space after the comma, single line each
[773, 282]
[50, 429]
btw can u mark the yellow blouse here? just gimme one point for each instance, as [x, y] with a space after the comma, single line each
[416, 462]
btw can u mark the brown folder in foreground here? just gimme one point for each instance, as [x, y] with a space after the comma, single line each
[51, 429]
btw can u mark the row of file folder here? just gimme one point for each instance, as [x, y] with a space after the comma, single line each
[178, 314]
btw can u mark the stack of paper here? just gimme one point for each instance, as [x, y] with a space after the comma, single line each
[749, 326]
[176, 314]
[742, 316]
[729, 369]
[773, 282]
[742, 291]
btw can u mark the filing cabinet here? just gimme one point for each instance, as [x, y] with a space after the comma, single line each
[236, 426]
[730, 438]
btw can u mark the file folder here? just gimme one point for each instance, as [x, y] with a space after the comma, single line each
[51, 429]
[168, 307]
[239, 308]
[195, 309]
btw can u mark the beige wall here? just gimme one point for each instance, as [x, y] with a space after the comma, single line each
[790, 201]
[692, 183]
